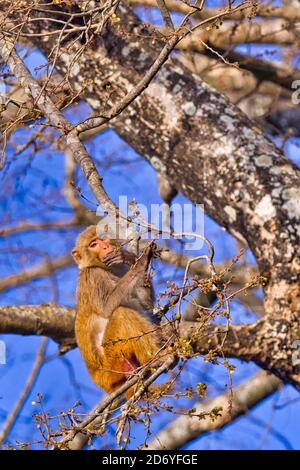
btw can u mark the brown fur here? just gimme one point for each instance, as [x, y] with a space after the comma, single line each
[110, 370]
[114, 339]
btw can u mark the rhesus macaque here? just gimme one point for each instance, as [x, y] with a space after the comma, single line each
[114, 330]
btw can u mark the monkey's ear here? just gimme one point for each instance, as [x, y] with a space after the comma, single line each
[76, 255]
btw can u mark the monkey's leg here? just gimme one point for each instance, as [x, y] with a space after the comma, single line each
[133, 337]
[108, 379]
[130, 341]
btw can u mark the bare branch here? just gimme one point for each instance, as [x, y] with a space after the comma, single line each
[181, 32]
[187, 427]
[240, 341]
[263, 10]
[44, 269]
[13, 415]
[57, 119]
[282, 75]
[63, 444]
[50, 320]
[165, 14]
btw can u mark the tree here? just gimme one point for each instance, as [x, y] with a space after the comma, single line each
[153, 85]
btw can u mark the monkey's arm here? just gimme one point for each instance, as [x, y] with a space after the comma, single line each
[127, 283]
[119, 256]
[141, 298]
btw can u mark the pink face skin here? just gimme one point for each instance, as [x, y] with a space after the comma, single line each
[101, 247]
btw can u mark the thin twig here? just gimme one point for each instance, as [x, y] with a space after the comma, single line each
[11, 419]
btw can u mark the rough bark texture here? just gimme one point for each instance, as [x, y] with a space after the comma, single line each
[56, 322]
[214, 155]
[44, 320]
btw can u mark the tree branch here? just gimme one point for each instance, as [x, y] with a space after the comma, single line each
[46, 268]
[57, 120]
[263, 10]
[186, 428]
[28, 386]
[50, 320]
[239, 341]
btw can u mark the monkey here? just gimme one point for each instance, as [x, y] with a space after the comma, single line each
[114, 331]
[141, 298]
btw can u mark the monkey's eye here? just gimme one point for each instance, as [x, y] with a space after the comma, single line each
[93, 244]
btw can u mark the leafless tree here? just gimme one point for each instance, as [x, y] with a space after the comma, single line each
[205, 116]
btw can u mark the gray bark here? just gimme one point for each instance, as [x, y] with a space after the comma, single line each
[214, 155]
[186, 428]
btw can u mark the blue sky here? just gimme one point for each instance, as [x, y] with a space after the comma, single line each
[30, 189]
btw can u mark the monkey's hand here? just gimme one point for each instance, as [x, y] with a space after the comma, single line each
[114, 257]
[143, 261]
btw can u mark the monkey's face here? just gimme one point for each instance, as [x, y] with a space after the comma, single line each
[100, 248]
[90, 250]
